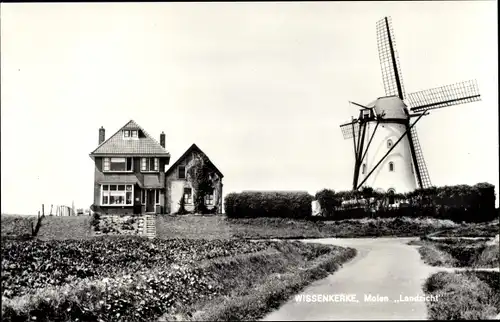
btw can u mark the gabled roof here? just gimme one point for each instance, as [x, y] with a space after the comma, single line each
[116, 145]
[193, 148]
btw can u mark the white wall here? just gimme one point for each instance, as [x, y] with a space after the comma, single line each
[402, 179]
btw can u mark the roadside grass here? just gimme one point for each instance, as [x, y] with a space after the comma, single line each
[463, 296]
[489, 229]
[249, 293]
[213, 289]
[458, 252]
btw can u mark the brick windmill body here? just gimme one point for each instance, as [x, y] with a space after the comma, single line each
[387, 153]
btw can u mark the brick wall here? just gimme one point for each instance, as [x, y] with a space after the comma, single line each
[136, 178]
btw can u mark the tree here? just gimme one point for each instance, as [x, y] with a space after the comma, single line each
[202, 178]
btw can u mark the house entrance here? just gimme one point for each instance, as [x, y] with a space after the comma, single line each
[150, 200]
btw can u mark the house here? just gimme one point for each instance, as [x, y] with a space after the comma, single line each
[129, 175]
[179, 185]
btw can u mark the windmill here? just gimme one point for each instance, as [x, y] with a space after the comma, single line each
[387, 152]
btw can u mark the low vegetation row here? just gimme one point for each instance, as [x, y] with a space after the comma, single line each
[139, 280]
[458, 203]
[469, 295]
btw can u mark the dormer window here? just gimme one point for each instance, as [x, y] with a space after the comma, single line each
[130, 134]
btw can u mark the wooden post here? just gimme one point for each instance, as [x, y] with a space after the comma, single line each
[43, 210]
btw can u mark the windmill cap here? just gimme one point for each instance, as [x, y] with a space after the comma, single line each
[391, 107]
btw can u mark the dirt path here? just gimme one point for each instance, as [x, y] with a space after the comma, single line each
[386, 267]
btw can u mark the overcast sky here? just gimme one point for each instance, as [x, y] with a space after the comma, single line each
[260, 87]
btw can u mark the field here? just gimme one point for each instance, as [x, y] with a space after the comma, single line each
[136, 279]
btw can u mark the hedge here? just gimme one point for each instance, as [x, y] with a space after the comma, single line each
[458, 203]
[268, 204]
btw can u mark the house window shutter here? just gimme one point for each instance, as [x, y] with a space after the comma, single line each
[105, 164]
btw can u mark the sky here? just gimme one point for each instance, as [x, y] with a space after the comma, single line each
[261, 88]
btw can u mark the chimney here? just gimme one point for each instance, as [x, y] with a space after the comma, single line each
[101, 135]
[162, 139]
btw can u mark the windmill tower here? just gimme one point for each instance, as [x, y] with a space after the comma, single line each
[387, 153]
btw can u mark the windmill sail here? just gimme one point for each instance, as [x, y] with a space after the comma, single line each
[389, 60]
[422, 167]
[449, 95]
[350, 130]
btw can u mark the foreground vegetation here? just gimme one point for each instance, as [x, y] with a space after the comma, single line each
[469, 295]
[136, 279]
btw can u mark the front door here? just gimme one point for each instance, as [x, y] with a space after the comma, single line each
[150, 201]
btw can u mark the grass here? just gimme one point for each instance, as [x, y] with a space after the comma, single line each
[52, 228]
[253, 288]
[16, 225]
[247, 287]
[463, 296]
[220, 227]
[472, 230]
[458, 252]
[70, 227]
[192, 226]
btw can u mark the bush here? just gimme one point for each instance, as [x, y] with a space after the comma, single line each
[328, 202]
[458, 203]
[268, 204]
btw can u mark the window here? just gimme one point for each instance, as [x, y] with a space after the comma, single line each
[149, 164]
[364, 169]
[157, 196]
[391, 166]
[130, 134]
[143, 197]
[188, 197]
[117, 195]
[389, 143]
[209, 199]
[117, 164]
[182, 172]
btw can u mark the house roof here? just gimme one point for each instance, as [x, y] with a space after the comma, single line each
[193, 148]
[116, 145]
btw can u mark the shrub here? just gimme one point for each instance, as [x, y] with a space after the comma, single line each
[458, 203]
[328, 201]
[268, 204]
